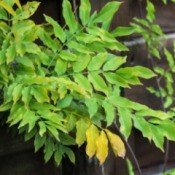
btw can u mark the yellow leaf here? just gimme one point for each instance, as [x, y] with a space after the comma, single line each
[82, 125]
[92, 134]
[116, 144]
[102, 147]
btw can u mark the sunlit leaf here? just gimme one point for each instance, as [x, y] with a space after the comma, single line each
[92, 134]
[117, 144]
[102, 147]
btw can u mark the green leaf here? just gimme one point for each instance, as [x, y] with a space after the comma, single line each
[170, 88]
[10, 53]
[97, 61]
[103, 34]
[113, 78]
[107, 12]
[39, 142]
[16, 114]
[168, 129]
[61, 67]
[26, 97]
[130, 167]
[141, 124]
[69, 153]
[150, 11]
[123, 31]
[109, 111]
[47, 40]
[83, 49]
[29, 118]
[65, 139]
[3, 14]
[114, 62]
[87, 38]
[71, 122]
[125, 119]
[58, 31]
[126, 103]
[25, 61]
[67, 56]
[157, 136]
[139, 71]
[7, 8]
[85, 9]
[81, 127]
[58, 155]
[48, 149]
[168, 102]
[27, 10]
[98, 82]
[53, 131]
[5, 106]
[31, 134]
[83, 81]
[170, 59]
[153, 113]
[81, 63]
[92, 106]
[42, 128]
[17, 92]
[40, 94]
[69, 16]
[65, 102]
[21, 28]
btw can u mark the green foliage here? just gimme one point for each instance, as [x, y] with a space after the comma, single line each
[149, 30]
[57, 91]
[170, 172]
[130, 167]
[154, 129]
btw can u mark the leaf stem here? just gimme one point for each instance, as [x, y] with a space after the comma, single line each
[160, 93]
[75, 9]
[103, 169]
[164, 109]
[129, 148]
[64, 44]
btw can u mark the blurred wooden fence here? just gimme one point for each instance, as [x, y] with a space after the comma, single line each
[18, 158]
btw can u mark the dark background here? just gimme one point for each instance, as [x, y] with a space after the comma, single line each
[18, 158]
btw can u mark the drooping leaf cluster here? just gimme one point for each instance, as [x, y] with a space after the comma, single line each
[164, 90]
[59, 92]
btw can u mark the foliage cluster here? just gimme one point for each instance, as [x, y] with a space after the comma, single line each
[61, 86]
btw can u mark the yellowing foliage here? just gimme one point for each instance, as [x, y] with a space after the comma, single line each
[102, 147]
[92, 134]
[116, 144]
[81, 125]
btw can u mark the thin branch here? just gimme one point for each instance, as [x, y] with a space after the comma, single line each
[140, 8]
[164, 109]
[141, 40]
[64, 44]
[159, 88]
[103, 169]
[129, 148]
[75, 9]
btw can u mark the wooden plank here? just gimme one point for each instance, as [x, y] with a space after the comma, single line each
[136, 8]
[25, 163]
[12, 144]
